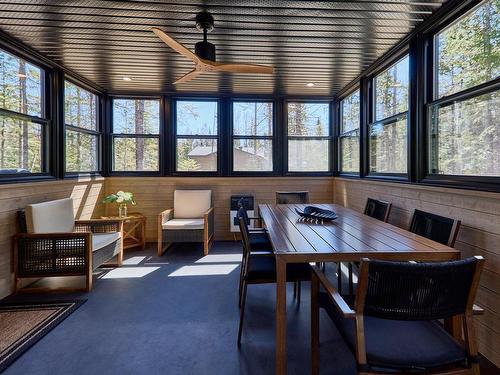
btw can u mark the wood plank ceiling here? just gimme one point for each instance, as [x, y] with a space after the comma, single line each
[328, 43]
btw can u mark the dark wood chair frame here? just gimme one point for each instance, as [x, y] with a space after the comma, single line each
[455, 227]
[318, 279]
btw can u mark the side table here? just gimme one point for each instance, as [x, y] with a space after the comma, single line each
[134, 229]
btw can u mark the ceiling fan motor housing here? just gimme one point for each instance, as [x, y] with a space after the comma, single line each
[205, 50]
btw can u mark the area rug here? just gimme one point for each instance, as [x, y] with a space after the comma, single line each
[23, 324]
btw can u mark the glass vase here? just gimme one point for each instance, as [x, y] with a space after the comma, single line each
[122, 210]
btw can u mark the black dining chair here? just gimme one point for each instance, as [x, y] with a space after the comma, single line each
[379, 210]
[437, 228]
[260, 268]
[258, 239]
[392, 326]
[291, 197]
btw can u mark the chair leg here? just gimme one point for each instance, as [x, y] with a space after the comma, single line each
[207, 244]
[242, 270]
[242, 311]
[351, 284]
[339, 277]
[88, 281]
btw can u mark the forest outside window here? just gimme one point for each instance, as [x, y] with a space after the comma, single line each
[82, 129]
[308, 137]
[253, 136]
[196, 123]
[387, 134]
[349, 133]
[464, 117]
[22, 118]
[136, 135]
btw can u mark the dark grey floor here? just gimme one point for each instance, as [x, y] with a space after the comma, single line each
[161, 324]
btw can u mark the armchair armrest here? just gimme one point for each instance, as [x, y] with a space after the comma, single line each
[99, 225]
[165, 216]
[333, 294]
[208, 218]
[38, 254]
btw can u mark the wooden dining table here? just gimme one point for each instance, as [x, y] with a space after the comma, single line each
[350, 237]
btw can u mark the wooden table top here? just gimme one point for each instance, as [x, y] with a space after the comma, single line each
[130, 216]
[350, 237]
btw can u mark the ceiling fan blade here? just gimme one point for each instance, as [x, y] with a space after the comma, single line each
[189, 76]
[175, 45]
[242, 68]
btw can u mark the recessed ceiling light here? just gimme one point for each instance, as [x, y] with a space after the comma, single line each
[310, 84]
[127, 79]
[20, 75]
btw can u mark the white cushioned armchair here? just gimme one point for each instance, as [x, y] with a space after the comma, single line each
[191, 220]
[53, 243]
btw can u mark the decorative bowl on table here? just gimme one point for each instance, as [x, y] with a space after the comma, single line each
[316, 214]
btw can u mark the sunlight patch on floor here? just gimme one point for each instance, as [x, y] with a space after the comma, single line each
[129, 272]
[345, 274]
[220, 258]
[133, 261]
[205, 270]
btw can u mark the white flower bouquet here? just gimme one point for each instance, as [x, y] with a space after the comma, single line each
[122, 198]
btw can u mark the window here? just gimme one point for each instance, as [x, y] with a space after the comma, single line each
[387, 135]
[252, 136]
[196, 135]
[465, 126]
[22, 122]
[82, 133]
[308, 137]
[136, 129]
[349, 133]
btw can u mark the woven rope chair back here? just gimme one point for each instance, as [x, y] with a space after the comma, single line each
[243, 222]
[418, 291]
[437, 228]
[377, 209]
[244, 213]
[292, 197]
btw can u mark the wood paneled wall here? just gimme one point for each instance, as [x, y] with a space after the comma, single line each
[479, 235]
[156, 194]
[87, 194]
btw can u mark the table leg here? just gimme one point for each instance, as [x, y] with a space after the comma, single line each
[280, 316]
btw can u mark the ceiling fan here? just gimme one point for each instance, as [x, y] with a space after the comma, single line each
[204, 55]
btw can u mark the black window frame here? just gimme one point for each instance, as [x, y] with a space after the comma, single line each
[369, 104]
[329, 138]
[48, 158]
[431, 98]
[98, 132]
[341, 134]
[174, 136]
[113, 136]
[272, 138]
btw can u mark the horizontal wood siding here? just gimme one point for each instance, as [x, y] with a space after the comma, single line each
[156, 194]
[87, 194]
[479, 235]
